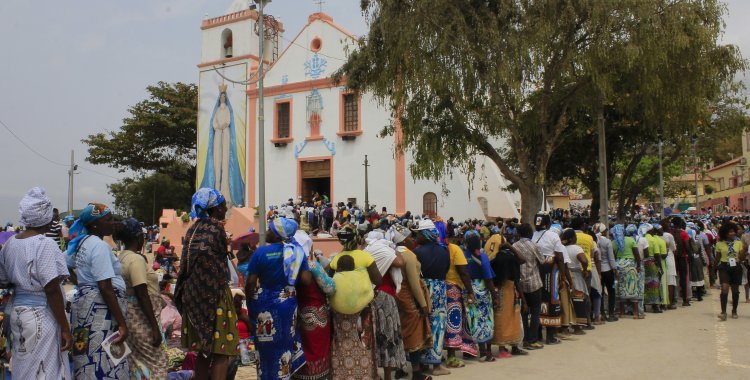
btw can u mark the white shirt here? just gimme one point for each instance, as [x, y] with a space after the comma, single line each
[549, 243]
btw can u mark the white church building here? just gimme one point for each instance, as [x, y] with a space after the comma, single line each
[317, 133]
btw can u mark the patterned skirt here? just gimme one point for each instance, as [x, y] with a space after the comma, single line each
[226, 336]
[415, 327]
[455, 331]
[315, 322]
[627, 286]
[480, 318]
[352, 356]
[550, 314]
[436, 288]
[146, 362]
[277, 339]
[390, 344]
[507, 322]
[652, 286]
[92, 323]
[36, 343]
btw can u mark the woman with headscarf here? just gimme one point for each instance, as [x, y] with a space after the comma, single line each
[671, 265]
[34, 266]
[314, 315]
[413, 301]
[353, 352]
[277, 268]
[579, 288]
[99, 307]
[435, 261]
[697, 261]
[508, 327]
[390, 344]
[202, 295]
[148, 360]
[652, 268]
[629, 262]
[480, 319]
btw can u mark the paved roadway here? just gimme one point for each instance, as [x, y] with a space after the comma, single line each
[687, 343]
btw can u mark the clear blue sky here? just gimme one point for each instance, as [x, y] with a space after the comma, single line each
[72, 68]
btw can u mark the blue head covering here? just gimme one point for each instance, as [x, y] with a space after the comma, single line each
[556, 228]
[431, 235]
[644, 228]
[631, 230]
[618, 234]
[132, 229]
[91, 213]
[204, 199]
[293, 251]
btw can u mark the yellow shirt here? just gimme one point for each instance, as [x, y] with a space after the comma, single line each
[361, 258]
[653, 246]
[492, 246]
[457, 258]
[662, 245]
[586, 242]
[136, 271]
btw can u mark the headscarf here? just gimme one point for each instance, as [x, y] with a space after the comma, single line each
[383, 252]
[618, 234]
[293, 251]
[91, 213]
[348, 237]
[35, 208]
[204, 199]
[556, 228]
[397, 233]
[431, 235]
[132, 229]
[643, 229]
[631, 230]
[472, 241]
[599, 228]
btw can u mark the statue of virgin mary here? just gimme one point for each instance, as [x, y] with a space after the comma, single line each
[222, 168]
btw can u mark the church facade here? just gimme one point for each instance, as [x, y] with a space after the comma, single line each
[317, 133]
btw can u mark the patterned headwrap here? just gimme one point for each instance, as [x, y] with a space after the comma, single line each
[348, 236]
[631, 230]
[398, 233]
[431, 235]
[599, 228]
[204, 199]
[293, 251]
[91, 213]
[132, 229]
[556, 228]
[644, 228]
[618, 234]
[35, 208]
[472, 241]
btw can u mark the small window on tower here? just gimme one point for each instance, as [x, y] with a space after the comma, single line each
[226, 40]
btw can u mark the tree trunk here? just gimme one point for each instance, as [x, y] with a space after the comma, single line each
[531, 201]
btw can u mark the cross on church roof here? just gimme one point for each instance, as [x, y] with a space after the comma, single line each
[319, 3]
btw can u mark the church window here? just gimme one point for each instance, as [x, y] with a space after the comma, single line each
[283, 120]
[226, 42]
[351, 116]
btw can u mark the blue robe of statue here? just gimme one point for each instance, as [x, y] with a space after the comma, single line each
[236, 184]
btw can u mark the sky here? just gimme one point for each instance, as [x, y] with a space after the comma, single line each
[69, 69]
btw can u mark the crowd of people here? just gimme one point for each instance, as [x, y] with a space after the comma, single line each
[405, 294]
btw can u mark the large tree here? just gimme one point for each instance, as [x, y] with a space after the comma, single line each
[504, 78]
[156, 144]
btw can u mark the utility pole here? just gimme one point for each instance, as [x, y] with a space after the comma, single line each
[661, 182]
[603, 191]
[71, 173]
[261, 131]
[367, 190]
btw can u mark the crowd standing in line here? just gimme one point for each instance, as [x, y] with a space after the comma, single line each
[406, 293]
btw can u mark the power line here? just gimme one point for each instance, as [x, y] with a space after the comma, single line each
[29, 147]
[310, 50]
[47, 159]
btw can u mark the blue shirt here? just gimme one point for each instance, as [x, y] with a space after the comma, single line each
[96, 262]
[435, 260]
[268, 264]
[479, 267]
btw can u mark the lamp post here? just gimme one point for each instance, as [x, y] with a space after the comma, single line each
[661, 182]
[695, 156]
[739, 171]
[367, 187]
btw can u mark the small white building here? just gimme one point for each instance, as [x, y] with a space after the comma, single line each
[317, 133]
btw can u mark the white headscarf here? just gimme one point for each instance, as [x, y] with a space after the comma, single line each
[35, 208]
[384, 252]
